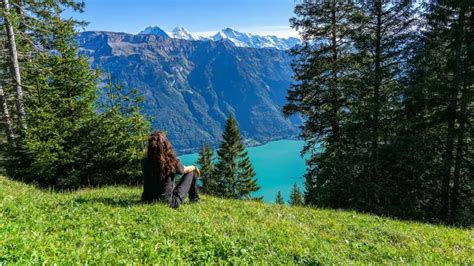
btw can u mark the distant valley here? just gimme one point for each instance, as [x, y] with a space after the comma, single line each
[190, 86]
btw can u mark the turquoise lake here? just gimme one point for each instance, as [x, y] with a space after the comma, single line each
[278, 166]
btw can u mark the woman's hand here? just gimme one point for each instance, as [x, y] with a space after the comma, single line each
[192, 168]
[197, 171]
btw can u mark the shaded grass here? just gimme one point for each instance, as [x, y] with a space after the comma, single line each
[110, 225]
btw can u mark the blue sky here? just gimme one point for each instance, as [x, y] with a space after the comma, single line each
[198, 16]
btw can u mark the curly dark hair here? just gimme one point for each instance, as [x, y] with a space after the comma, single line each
[161, 155]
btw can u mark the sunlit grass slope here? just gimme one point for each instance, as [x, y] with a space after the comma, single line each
[109, 225]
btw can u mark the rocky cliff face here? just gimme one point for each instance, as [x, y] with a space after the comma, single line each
[190, 87]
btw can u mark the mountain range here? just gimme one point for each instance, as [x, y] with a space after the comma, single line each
[191, 86]
[237, 38]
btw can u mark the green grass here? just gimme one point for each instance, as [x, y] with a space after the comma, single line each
[109, 225]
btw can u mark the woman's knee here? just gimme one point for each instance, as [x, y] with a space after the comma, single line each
[190, 175]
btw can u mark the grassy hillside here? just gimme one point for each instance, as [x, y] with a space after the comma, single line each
[110, 225]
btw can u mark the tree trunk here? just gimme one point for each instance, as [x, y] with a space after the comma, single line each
[334, 85]
[6, 116]
[377, 80]
[451, 117]
[373, 182]
[460, 146]
[15, 68]
[460, 151]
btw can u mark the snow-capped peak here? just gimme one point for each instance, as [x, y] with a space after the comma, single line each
[237, 38]
[255, 41]
[231, 33]
[181, 33]
[155, 30]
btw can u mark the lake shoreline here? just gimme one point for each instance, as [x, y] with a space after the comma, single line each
[248, 143]
[278, 166]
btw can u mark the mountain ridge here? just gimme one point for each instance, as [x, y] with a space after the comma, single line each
[190, 87]
[239, 39]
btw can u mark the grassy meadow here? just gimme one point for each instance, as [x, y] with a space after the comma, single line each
[110, 225]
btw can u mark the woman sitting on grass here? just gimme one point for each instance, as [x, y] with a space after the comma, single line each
[159, 170]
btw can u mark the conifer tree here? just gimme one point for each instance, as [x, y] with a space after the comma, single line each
[323, 69]
[206, 166]
[6, 119]
[72, 139]
[279, 199]
[28, 26]
[8, 16]
[234, 172]
[296, 198]
[382, 44]
[455, 21]
[438, 99]
[403, 145]
[347, 73]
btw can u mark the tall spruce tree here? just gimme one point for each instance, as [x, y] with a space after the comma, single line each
[72, 140]
[5, 104]
[9, 15]
[296, 197]
[27, 28]
[206, 166]
[234, 172]
[6, 121]
[279, 199]
[455, 20]
[382, 42]
[403, 143]
[439, 100]
[323, 73]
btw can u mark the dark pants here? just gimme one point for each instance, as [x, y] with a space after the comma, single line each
[187, 185]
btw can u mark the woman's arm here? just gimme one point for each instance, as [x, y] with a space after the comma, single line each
[192, 168]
